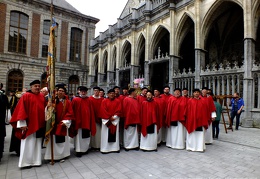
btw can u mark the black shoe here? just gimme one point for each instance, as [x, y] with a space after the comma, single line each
[78, 154]
[126, 149]
[28, 167]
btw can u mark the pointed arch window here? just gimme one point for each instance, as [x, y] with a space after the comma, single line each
[18, 32]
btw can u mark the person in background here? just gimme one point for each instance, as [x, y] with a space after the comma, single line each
[117, 91]
[85, 121]
[237, 104]
[96, 101]
[215, 123]
[162, 110]
[71, 96]
[185, 92]
[142, 96]
[15, 142]
[175, 120]
[4, 105]
[197, 117]
[131, 112]
[102, 93]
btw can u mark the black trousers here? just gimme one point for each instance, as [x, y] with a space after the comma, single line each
[233, 115]
[215, 129]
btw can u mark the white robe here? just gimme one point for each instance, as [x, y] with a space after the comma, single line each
[30, 151]
[106, 146]
[208, 132]
[195, 141]
[131, 137]
[208, 135]
[96, 140]
[176, 136]
[81, 144]
[159, 136]
[149, 142]
[60, 150]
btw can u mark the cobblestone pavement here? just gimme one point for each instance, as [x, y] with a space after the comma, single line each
[234, 155]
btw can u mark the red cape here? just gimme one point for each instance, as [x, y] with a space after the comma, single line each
[84, 114]
[196, 114]
[211, 106]
[162, 109]
[31, 107]
[166, 97]
[110, 108]
[149, 115]
[96, 105]
[131, 111]
[140, 99]
[64, 111]
[176, 110]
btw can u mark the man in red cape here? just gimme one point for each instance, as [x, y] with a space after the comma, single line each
[196, 122]
[175, 120]
[122, 118]
[166, 96]
[85, 121]
[142, 96]
[211, 114]
[96, 101]
[110, 115]
[162, 109]
[131, 112]
[64, 117]
[28, 120]
[149, 117]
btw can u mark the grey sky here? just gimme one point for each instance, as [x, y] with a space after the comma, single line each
[106, 10]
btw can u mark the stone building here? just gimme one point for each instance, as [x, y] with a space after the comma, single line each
[184, 43]
[24, 39]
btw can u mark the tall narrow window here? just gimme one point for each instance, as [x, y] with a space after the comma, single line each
[75, 44]
[15, 80]
[46, 36]
[73, 84]
[18, 32]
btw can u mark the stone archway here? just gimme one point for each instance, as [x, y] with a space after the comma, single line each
[141, 55]
[160, 47]
[187, 46]
[125, 62]
[224, 42]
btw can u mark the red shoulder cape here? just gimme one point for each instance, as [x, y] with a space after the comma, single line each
[31, 107]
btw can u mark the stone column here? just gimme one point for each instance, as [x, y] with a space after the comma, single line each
[249, 55]
[199, 62]
[173, 65]
[110, 79]
[117, 77]
[133, 73]
[146, 74]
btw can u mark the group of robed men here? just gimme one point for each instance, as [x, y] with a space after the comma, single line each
[133, 121]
